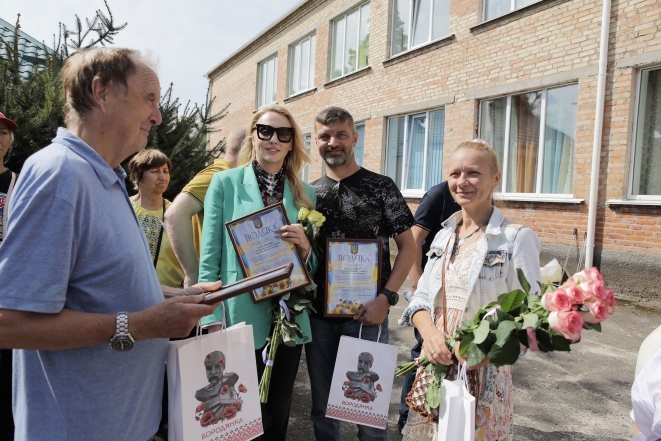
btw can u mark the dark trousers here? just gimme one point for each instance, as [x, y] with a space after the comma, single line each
[275, 413]
[408, 380]
[6, 417]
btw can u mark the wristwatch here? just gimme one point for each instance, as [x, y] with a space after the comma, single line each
[122, 340]
[393, 297]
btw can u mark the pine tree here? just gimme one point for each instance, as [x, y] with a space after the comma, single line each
[182, 136]
[36, 103]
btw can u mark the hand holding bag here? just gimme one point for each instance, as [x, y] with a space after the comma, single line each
[213, 387]
[362, 381]
[456, 415]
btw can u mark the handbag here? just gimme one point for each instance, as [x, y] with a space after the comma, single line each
[362, 381]
[456, 414]
[213, 391]
[416, 396]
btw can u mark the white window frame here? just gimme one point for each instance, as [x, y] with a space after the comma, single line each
[359, 8]
[312, 38]
[504, 195]
[305, 171]
[512, 9]
[410, 39]
[274, 81]
[412, 193]
[362, 159]
[634, 139]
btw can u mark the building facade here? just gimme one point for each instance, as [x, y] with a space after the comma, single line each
[33, 54]
[421, 76]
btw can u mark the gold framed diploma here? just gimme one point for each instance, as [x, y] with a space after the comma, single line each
[260, 249]
[353, 275]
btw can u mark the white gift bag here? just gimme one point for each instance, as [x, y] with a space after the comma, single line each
[456, 415]
[212, 387]
[362, 381]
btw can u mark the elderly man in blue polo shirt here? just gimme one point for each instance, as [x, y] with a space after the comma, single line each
[76, 271]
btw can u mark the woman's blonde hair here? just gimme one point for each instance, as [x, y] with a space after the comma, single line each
[484, 147]
[295, 160]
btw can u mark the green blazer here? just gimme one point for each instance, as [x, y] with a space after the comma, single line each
[233, 194]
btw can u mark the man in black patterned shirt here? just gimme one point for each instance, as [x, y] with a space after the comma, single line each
[358, 204]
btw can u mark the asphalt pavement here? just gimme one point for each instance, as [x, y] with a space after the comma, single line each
[583, 395]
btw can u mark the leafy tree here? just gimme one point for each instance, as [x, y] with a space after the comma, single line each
[36, 102]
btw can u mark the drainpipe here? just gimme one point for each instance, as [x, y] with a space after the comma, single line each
[598, 129]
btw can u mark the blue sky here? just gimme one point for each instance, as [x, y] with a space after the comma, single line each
[188, 37]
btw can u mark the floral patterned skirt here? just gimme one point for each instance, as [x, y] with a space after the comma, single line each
[494, 403]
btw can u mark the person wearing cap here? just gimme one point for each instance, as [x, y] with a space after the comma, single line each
[7, 181]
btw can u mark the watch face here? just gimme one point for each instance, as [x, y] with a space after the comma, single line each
[121, 344]
[394, 299]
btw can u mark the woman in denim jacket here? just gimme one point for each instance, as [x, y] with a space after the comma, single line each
[481, 251]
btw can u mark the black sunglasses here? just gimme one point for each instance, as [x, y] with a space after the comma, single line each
[265, 133]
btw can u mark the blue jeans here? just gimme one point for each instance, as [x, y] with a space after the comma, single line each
[320, 355]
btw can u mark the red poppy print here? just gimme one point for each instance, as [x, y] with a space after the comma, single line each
[379, 388]
[224, 390]
[242, 389]
[366, 381]
[237, 405]
[208, 419]
[365, 398]
[349, 393]
[200, 407]
[229, 412]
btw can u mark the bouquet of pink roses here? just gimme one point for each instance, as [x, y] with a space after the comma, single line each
[583, 301]
[550, 323]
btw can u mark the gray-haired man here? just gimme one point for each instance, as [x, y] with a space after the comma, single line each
[76, 269]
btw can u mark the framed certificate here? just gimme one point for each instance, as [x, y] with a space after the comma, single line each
[260, 249]
[353, 275]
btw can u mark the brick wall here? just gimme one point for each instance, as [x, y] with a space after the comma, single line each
[551, 39]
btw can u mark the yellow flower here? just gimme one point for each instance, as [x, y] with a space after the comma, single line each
[316, 218]
[303, 214]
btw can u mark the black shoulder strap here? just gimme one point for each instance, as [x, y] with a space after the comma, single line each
[160, 236]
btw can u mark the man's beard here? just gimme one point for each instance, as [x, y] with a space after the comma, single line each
[337, 160]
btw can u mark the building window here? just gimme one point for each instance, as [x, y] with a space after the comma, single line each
[359, 151]
[414, 151]
[534, 136]
[305, 173]
[301, 65]
[267, 81]
[645, 182]
[496, 8]
[416, 22]
[350, 45]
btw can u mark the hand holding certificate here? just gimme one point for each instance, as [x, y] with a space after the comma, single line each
[260, 248]
[353, 274]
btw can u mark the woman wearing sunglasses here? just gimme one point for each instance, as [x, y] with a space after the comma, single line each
[271, 161]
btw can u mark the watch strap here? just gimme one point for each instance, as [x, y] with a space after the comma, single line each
[122, 324]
